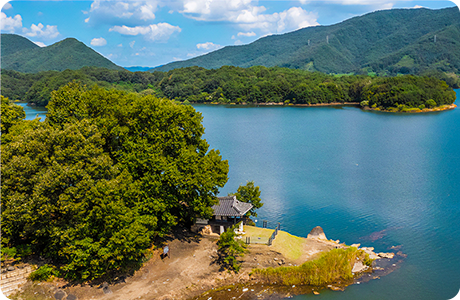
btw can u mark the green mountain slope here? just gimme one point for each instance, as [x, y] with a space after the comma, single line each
[66, 54]
[376, 42]
[12, 43]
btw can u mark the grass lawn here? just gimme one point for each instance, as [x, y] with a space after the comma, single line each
[289, 245]
[253, 231]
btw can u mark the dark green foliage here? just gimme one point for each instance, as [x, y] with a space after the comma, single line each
[236, 85]
[105, 173]
[410, 91]
[12, 43]
[230, 249]
[10, 114]
[43, 273]
[382, 42]
[66, 54]
[250, 194]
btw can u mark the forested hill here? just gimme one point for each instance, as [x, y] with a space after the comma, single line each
[20, 54]
[387, 42]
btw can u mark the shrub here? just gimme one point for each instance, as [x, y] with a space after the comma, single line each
[230, 249]
[364, 103]
[431, 103]
[43, 273]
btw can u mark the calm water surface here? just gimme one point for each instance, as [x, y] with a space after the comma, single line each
[354, 173]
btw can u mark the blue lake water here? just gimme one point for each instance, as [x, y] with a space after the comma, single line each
[355, 173]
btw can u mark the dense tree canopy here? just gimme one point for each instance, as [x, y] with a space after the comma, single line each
[10, 114]
[105, 173]
[238, 85]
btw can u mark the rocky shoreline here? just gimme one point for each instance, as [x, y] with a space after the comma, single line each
[251, 288]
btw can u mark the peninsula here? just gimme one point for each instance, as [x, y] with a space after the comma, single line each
[192, 271]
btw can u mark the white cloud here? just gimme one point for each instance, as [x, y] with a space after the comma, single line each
[131, 44]
[41, 31]
[98, 42]
[10, 24]
[375, 4]
[288, 20]
[246, 34]
[40, 44]
[120, 45]
[4, 4]
[249, 16]
[121, 12]
[155, 32]
[209, 46]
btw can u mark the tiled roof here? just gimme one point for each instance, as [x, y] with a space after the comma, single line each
[229, 206]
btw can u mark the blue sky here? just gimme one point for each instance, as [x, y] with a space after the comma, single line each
[155, 32]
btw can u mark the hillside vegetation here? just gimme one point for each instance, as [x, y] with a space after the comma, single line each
[252, 85]
[20, 54]
[387, 42]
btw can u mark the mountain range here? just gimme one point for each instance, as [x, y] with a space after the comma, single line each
[387, 42]
[22, 55]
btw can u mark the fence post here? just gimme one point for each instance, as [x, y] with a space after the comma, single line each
[279, 226]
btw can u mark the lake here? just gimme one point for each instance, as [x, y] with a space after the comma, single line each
[373, 178]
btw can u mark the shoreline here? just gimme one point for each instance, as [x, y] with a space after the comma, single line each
[192, 272]
[355, 104]
[425, 110]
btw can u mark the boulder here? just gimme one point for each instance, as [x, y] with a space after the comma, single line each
[359, 267]
[206, 230]
[386, 255]
[317, 233]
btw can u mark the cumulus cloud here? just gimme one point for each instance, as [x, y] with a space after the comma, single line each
[288, 20]
[119, 12]
[41, 31]
[10, 24]
[155, 32]
[4, 4]
[98, 42]
[208, 46]
[248, 16]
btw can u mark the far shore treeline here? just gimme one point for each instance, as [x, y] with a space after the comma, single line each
[243, 86]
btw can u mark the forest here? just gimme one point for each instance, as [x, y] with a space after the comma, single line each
[242, 86]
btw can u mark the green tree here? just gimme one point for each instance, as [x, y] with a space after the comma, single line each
[250, 194]
[430, 103]
[10, 114]
[230, 249]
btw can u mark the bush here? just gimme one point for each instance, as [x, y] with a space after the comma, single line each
[431, 103]
[230, 249]
[43, 273]
[364, 103]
